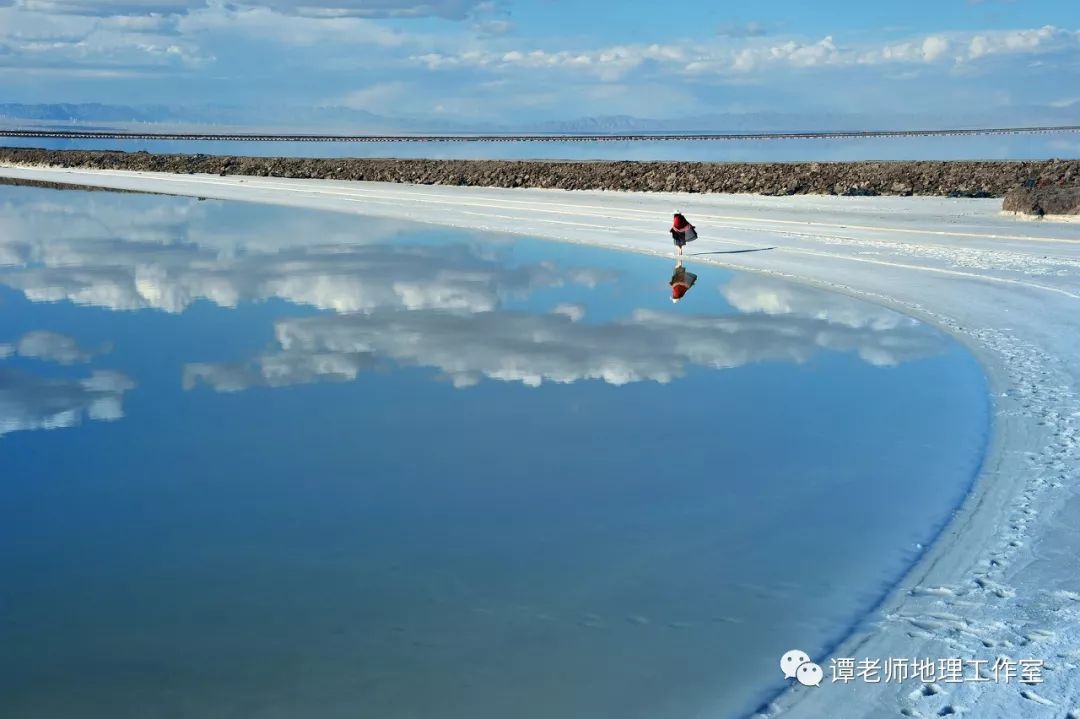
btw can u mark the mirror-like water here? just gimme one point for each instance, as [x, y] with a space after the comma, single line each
[260, 462]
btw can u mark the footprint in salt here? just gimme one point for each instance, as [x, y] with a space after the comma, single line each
[927, 690]
[1032, 696]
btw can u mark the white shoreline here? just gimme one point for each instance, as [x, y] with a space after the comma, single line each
[1004, 577]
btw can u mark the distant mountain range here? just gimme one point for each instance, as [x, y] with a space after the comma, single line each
[331, 119]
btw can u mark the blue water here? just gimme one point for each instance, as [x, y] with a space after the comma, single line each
[263, 462]
[1000, 147]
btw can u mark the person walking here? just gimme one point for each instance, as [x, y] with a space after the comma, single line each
[682, 231]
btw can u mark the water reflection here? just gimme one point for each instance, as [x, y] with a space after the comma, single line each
[139, 253]
[124, 275]
[512, 541]
[755, 294]
[52, 347]
[514, 346]
[440, 306]
[681, 281]
[30, 400]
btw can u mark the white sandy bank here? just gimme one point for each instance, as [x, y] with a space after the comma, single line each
[1004, 578]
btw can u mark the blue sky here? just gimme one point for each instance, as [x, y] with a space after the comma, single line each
[515, 60]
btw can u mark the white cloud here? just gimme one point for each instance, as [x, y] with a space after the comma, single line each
[576, 312]
[610, 62]
[383, 97]
[117, 39]
[589, 276]
[759, 56]
[105, 8]
[751, 53]
[29, 402]
[451, 9]
[115, 45]
[934, 47]
[163, 24]
[532, 349]
[122, 275]
[266, 25]
[54, 347]
[277, 370]
[757, 295]
[823, 52]
[321, 48]
[177, 252]
[1012, 42]
[929, 49]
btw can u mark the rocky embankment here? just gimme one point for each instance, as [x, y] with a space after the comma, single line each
[949, 178]
[1044, 201]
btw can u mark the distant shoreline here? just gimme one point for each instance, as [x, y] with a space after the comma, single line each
[956, 178]
[659, 136]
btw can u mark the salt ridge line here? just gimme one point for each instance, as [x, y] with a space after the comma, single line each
[345, 192]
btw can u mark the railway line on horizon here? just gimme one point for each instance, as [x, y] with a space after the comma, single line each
[523, 137]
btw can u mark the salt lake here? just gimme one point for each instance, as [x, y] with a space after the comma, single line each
[265, 462]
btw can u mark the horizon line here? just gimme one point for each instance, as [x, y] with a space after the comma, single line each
[525, 137]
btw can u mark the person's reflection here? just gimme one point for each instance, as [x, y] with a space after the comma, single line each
[681, 281]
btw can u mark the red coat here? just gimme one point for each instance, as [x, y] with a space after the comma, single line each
[680, 223]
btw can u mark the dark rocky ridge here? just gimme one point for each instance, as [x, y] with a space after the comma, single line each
[1040, 201]
[950, 178]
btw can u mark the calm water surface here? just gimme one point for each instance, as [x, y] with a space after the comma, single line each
[261, 462]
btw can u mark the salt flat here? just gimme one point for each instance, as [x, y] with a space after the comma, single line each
[1004, 577]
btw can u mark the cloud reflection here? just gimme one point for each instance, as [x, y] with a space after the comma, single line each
[50, 347]
[440, 306]
[513, 346]
[752, 294]
[166, 256]
[30, 402]
[278, 370]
